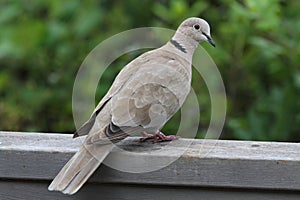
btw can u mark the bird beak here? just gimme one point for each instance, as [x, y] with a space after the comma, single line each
[209, 39]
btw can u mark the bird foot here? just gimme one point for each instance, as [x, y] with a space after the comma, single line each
[157, 137]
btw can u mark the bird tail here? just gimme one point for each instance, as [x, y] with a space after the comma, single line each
[78, 169]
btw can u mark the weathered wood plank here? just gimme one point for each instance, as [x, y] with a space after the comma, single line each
[14, 190]
[228, 164]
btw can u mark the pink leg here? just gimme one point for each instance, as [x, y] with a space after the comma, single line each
[157, 137]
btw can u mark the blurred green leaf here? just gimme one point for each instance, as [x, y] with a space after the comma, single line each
[43, 43]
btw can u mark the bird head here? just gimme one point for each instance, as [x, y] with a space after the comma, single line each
[197, 29]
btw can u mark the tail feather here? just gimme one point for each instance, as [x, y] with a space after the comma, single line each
[78, 169]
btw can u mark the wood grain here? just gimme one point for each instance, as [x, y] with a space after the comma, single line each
[31, 160]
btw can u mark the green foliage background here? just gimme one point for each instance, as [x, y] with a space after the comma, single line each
[43, 43]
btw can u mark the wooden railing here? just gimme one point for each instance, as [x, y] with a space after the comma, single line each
[224, 170]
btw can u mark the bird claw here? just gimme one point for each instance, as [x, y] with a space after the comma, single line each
[157, 137]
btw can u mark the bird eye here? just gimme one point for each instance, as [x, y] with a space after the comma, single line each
[196, 26]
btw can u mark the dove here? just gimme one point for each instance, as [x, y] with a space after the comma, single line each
[146, 93]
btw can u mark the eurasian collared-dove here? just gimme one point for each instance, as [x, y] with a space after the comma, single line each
[144, 96]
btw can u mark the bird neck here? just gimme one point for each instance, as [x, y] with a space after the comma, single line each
[185, 45]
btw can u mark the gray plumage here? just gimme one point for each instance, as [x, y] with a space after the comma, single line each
[144, 96]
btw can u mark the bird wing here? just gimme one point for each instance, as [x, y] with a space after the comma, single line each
[148, 98]
[125, 74]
